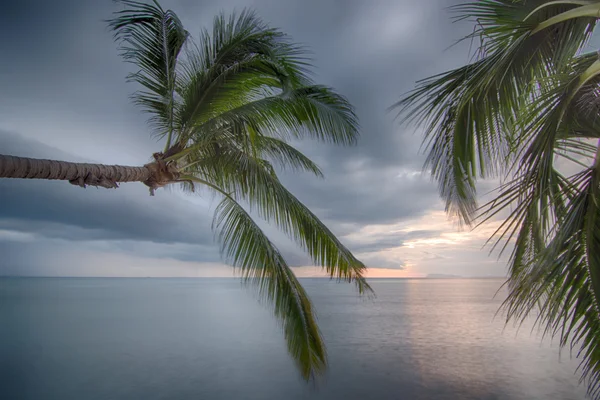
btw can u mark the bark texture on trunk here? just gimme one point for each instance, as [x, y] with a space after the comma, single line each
[80, 174]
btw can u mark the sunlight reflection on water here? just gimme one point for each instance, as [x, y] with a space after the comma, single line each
[209, 339]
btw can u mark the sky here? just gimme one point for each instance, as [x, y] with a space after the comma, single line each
[64, 96]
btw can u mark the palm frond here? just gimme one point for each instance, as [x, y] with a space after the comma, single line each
[241, 56]
[546, 132]
[310, 111]
[247, 178]
[284, 154]
[152, 39]
[248, 248]
[469, 113]
[562, 280]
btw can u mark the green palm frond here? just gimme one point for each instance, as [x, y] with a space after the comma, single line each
[245, 177]
[152, 39]
[547, 130]
[309, 111]
[240, 58]
[249, 249]
[469, 113]
[562, 279]
[285, 155]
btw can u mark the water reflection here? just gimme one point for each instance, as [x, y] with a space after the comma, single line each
[208, 339]
[455, 339]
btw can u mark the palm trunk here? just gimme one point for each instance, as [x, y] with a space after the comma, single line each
[80, 174]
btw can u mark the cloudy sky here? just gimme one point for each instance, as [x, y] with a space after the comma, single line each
[63, 95]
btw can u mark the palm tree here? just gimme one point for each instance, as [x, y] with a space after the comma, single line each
[226, 108]
[527, 104]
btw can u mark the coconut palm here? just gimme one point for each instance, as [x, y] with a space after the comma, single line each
[527, 105]
[226, 108]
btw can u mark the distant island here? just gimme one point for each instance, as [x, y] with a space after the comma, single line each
[450, 276]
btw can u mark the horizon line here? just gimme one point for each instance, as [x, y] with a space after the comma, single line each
[236, 277]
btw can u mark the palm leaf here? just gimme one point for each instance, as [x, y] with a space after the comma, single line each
[562, 280]
[152, 39]
[469, 112]
[313, 111]
[284, 154]
[248, 248]
[247, 178]
[547, 130]
[240, 57]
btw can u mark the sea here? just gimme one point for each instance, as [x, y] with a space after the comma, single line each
[184, 339]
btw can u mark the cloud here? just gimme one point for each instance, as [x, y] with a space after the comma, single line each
[52, 257]
[363, 193]
[125, 213]
[58, 209]
[64, 95]
[387, 240]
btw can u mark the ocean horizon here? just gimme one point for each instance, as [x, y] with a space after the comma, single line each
[238, 278]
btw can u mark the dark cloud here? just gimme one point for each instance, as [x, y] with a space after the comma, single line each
[380, 242]
[126, 213]
[58, 209]
[65, 82]
[367, 194]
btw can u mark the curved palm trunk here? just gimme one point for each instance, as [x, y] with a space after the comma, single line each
[80, 174]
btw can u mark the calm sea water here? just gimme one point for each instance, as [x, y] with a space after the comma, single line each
[209, 339]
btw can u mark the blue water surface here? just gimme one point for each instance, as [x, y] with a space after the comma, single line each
[98, 339]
